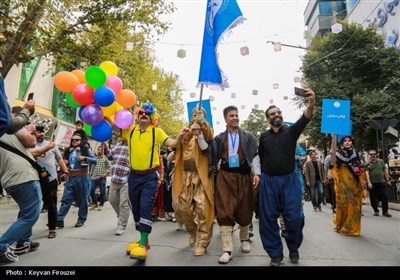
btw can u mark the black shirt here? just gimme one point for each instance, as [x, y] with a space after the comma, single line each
[277, 150]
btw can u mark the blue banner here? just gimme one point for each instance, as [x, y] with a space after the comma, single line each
[336, 117]
[221, 15]
[205, 104]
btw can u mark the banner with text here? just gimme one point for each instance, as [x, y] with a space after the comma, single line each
[336, 117]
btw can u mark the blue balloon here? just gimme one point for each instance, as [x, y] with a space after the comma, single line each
[102, 132]
[104, 96]
[80, 111]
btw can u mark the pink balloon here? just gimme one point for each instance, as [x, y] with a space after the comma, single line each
[123, 119]
[83, 94]
[115, 83]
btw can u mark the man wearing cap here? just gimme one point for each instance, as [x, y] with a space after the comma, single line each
[144, 140]
[193, 190]
[47, 154]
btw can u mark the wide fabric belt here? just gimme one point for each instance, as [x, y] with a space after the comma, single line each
[242, 169]
[189, 165]
[143, 172]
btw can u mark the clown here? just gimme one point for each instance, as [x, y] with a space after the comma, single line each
[144, 140]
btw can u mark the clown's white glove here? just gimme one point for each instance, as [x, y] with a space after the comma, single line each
[202, 143]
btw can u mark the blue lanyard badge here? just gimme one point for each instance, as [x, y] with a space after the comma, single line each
[233, 157]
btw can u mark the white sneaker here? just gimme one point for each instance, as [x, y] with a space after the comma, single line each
[179, 227]
[120, 231]
[245, 246]
[225, 258]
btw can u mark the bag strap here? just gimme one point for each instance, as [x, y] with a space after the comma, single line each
[18, 152]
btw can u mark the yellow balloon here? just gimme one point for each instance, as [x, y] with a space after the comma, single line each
[119, 107]
[109, 67]
[109, 110]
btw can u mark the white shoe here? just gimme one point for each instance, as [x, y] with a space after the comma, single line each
[245, 246]
[120, 231]
[225, 258]
[179, 227]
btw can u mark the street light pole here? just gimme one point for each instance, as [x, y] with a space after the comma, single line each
[277, 46]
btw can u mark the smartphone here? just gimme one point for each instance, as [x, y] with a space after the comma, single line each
[300, 92]
[53, 138]
[30, 96]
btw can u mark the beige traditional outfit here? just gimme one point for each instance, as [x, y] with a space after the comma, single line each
[193, 190]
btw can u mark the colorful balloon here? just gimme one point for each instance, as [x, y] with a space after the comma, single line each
[65, 81]
[126, 98]
[70, 100]
[104, 96]
[109, 110]
[88, 129]
[80, 75]
[114, 83]
[102, 132]
[95, 76]
[92, 115]
[123, 119]
[80, 111]
[83, 94]
[109, 67]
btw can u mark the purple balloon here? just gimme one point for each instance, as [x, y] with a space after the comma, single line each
[92, 114]
[123, 119]
[102, 132]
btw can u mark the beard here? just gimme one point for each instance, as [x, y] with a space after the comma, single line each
[277, 121]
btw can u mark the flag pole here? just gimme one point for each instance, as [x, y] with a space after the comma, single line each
[201, 96]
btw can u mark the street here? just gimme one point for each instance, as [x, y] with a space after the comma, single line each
[95, 244]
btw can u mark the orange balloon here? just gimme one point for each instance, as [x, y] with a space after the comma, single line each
[80, 75]
[65, 81]
[126, 98]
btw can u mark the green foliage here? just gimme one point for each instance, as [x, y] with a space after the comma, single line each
[354, 65]
[256, 122]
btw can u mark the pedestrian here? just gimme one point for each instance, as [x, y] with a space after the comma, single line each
[85, 146]
[239, 172]
[118, 192]
[280, 191]
[377, 181]
[144, 140]
[349, 180]
[76, 188]
[314, 177]
[48, 155]
[193, 190]
[21, 180]
[98, 176]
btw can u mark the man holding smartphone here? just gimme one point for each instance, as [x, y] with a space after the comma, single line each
[280, 192]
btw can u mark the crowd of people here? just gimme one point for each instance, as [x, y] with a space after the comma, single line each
[200, 179]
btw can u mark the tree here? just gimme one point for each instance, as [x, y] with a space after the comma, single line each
[357, 66]
[256, 122]
[62, 28]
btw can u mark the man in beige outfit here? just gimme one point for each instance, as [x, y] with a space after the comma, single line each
[193, 189]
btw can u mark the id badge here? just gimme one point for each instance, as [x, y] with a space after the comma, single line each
[233, 161]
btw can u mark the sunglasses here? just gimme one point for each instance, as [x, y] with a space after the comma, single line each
[144, 112]
[275, 113]
[74, 139]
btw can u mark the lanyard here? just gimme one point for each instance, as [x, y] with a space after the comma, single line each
[233, 141]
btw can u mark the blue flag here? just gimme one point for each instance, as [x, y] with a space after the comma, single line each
[221, 16]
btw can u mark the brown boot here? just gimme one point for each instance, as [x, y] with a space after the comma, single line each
[192, 238]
